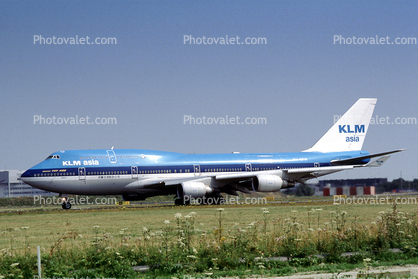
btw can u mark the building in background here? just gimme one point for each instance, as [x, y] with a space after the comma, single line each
[360, 182]
[11, 186]
[348, 187]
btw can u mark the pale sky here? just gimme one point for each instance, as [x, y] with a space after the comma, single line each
[149, 80]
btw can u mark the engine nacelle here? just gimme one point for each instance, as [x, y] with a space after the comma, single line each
[268, 183]
[193, 189]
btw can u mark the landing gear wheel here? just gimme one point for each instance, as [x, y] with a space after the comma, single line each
[66, 205]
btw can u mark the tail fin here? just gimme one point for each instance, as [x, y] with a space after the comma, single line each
[349, 132]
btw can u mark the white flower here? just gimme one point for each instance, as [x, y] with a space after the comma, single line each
[166, 222]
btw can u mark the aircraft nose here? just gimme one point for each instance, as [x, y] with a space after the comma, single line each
[24, 175]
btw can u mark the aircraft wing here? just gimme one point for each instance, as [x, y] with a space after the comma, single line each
[292, 175]
[303, 174]
[165, 181]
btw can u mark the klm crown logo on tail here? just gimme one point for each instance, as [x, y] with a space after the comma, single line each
[347, 129]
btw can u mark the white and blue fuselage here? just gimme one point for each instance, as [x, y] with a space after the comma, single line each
[114, 172]
[137, 174]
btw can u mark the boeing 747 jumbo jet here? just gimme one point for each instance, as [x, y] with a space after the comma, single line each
[137, 174]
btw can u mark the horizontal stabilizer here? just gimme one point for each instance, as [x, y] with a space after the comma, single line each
[352, 161]
[378, 162]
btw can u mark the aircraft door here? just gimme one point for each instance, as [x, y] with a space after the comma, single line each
[196, 170]
[134, 172]
[82, 173]
[112, 156]
[248, 167]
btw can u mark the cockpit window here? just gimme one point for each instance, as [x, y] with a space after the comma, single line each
[52, 157]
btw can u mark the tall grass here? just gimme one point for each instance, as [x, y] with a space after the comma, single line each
[180, 246]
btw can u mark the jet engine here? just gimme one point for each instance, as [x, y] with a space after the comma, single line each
[193, 189]
[268, 183]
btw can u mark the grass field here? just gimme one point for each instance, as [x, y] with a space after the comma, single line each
[45, 227]
[159, 229]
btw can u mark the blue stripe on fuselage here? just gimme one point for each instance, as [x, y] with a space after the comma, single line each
[97, 162]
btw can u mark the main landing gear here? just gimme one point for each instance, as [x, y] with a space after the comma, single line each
[65, 204]
[181, 202]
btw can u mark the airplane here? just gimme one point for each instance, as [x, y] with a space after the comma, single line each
[137, 174]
